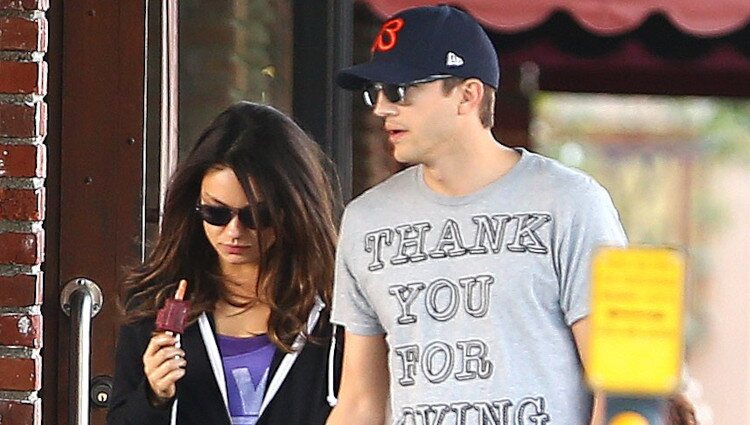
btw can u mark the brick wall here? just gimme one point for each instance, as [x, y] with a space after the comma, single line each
[23, 125]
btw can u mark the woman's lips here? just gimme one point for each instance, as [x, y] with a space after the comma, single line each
[235, 249]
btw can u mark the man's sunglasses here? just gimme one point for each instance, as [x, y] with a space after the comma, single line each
[395, 93]
[218, 215]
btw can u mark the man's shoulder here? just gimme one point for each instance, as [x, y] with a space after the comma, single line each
[549, 172]
[547, 167]
[389, 190]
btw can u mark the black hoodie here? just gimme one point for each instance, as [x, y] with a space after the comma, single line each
[300, 388]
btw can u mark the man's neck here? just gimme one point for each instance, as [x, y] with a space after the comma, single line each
[469, 164]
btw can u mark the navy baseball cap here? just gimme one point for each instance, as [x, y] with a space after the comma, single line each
[422, 42]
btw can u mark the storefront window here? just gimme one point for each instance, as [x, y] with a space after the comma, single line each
[231, 50]
[228, 50]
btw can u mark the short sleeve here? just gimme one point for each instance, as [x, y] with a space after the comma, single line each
[351, 307]
[594, 223]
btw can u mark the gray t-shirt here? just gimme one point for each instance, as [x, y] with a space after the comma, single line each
[476, 294]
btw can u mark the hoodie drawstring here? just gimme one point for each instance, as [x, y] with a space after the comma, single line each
[331, 397]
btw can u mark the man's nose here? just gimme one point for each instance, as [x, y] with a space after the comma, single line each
[383, 107]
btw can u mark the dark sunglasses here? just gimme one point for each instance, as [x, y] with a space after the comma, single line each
[219, 215]
[395, 93]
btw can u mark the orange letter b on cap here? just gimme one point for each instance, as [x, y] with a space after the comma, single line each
[388, 35]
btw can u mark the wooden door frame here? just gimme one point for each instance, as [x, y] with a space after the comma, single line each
[95, 185]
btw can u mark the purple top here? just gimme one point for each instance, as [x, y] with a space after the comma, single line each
[246, 364]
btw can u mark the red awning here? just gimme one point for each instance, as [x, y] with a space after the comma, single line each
[708, 18]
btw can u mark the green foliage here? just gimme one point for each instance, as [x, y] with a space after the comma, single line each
[727, 135]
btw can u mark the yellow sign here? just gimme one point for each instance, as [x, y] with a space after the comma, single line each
[635, 344]
[629, 418]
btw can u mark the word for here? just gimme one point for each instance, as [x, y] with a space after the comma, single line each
[438, 361]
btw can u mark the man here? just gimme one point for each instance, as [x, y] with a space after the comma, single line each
[462, 282]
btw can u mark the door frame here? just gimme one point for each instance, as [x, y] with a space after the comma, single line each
[95, 185]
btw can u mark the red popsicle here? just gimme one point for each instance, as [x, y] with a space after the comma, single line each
[174, 315]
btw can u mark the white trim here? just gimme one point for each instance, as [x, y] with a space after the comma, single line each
[331, 396]
[281, 372]
[173, 416]
[214, 357]
[286, 363]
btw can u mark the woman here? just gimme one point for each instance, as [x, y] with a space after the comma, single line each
[249, 222]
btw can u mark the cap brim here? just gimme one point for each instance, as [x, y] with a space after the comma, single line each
[359, 76]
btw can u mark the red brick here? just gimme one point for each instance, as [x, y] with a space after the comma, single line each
[20, 290]
[23, 330]
[23, 34]
[23, 161]
[23, 120]
[15, 413]
[21, 248]
[18, 120]
[22, 204]
[20, 374]
[23, 77]
[24, 4]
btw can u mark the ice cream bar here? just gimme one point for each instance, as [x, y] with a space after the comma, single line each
[174, 315]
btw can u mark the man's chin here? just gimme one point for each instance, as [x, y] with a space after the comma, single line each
[403, 157]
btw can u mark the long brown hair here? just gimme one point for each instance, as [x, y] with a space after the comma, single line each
[292, 173]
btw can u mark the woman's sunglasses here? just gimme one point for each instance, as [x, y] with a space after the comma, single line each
[395, 93]
[218, 215]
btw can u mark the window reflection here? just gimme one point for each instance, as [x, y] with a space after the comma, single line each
[231, 50]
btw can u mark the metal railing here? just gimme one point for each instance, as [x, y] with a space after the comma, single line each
[81, 299]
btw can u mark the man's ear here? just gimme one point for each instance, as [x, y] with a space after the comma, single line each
[471, 92]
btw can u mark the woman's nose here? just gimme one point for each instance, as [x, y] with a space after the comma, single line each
[234, 227]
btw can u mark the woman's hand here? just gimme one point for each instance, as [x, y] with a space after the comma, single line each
[163, 364]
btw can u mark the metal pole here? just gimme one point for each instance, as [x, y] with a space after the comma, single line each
[169, 108]
[81, 299]
[80, 356]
